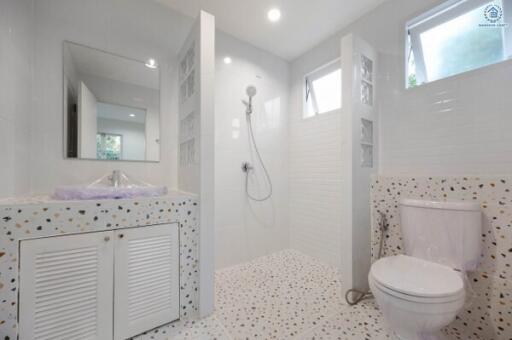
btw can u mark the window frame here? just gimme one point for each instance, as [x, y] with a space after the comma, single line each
[436, 16]
[309, 93]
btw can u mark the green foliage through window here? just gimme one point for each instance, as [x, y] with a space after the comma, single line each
[456, 39]
[108, 146]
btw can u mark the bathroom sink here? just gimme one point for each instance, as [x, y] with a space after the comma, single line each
[114, 186]
[97, 192]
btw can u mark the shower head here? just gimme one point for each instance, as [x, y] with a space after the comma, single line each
[251, 91]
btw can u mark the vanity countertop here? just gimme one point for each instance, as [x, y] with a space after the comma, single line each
[24, 218]
[48, 199]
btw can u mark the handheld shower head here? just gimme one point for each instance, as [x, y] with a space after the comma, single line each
[251, 92]
[247, 167]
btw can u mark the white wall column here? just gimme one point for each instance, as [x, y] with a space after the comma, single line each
[359, 154]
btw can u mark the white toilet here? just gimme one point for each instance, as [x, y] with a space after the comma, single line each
[421, 292]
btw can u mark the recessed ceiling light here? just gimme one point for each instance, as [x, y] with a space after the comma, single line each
[151, 63]
[132, 115]
[228, 60]
[274, 15]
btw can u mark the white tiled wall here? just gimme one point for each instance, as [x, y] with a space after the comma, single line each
[31, 137]
[456, 126]
[315, 181]
[315, 167]
[453, 126]
[244, 229]
[16, 57]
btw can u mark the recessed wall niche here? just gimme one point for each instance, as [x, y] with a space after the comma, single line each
[366, 143]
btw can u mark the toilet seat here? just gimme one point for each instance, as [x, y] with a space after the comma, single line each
[417, 280]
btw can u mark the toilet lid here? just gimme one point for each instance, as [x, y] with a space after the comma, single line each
[417, 277]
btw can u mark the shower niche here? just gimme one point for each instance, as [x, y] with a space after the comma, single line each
[366, 75]
[366, 143]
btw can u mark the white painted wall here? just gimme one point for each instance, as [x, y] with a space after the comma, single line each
[243, 229]
[70, 70]
[207, 175]
[153, 135]
[130, 28]
[16, 63]
[88, 122]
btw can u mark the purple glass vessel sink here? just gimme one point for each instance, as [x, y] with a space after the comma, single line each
[115, 186]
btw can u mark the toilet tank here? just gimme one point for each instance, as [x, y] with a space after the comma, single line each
[448, 233]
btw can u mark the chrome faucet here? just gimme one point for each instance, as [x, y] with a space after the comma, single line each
[115, 178]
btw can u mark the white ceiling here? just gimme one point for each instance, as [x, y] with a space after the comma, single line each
[304, 23]
[120, 112]
[101, 64]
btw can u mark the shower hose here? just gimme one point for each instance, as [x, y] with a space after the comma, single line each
[359, 295]
[266, 197]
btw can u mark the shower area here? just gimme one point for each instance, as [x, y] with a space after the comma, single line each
[247, 228]
[293, 168]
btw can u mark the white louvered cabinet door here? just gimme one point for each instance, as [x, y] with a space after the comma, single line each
[66, 287]
[146, 292]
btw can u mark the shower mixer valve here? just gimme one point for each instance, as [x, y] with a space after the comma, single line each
[246, 167]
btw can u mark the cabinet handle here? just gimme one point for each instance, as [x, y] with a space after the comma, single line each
[107, 238]
[121, 235]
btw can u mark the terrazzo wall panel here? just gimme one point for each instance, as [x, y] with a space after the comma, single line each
[488, 312]
[35, 218]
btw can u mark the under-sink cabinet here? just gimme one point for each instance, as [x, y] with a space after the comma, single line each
[99, 285]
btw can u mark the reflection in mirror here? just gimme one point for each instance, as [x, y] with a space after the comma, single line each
[112, 106]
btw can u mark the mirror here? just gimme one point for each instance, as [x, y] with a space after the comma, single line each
[111, 106]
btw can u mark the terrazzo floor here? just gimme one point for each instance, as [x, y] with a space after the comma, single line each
[286, 295]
